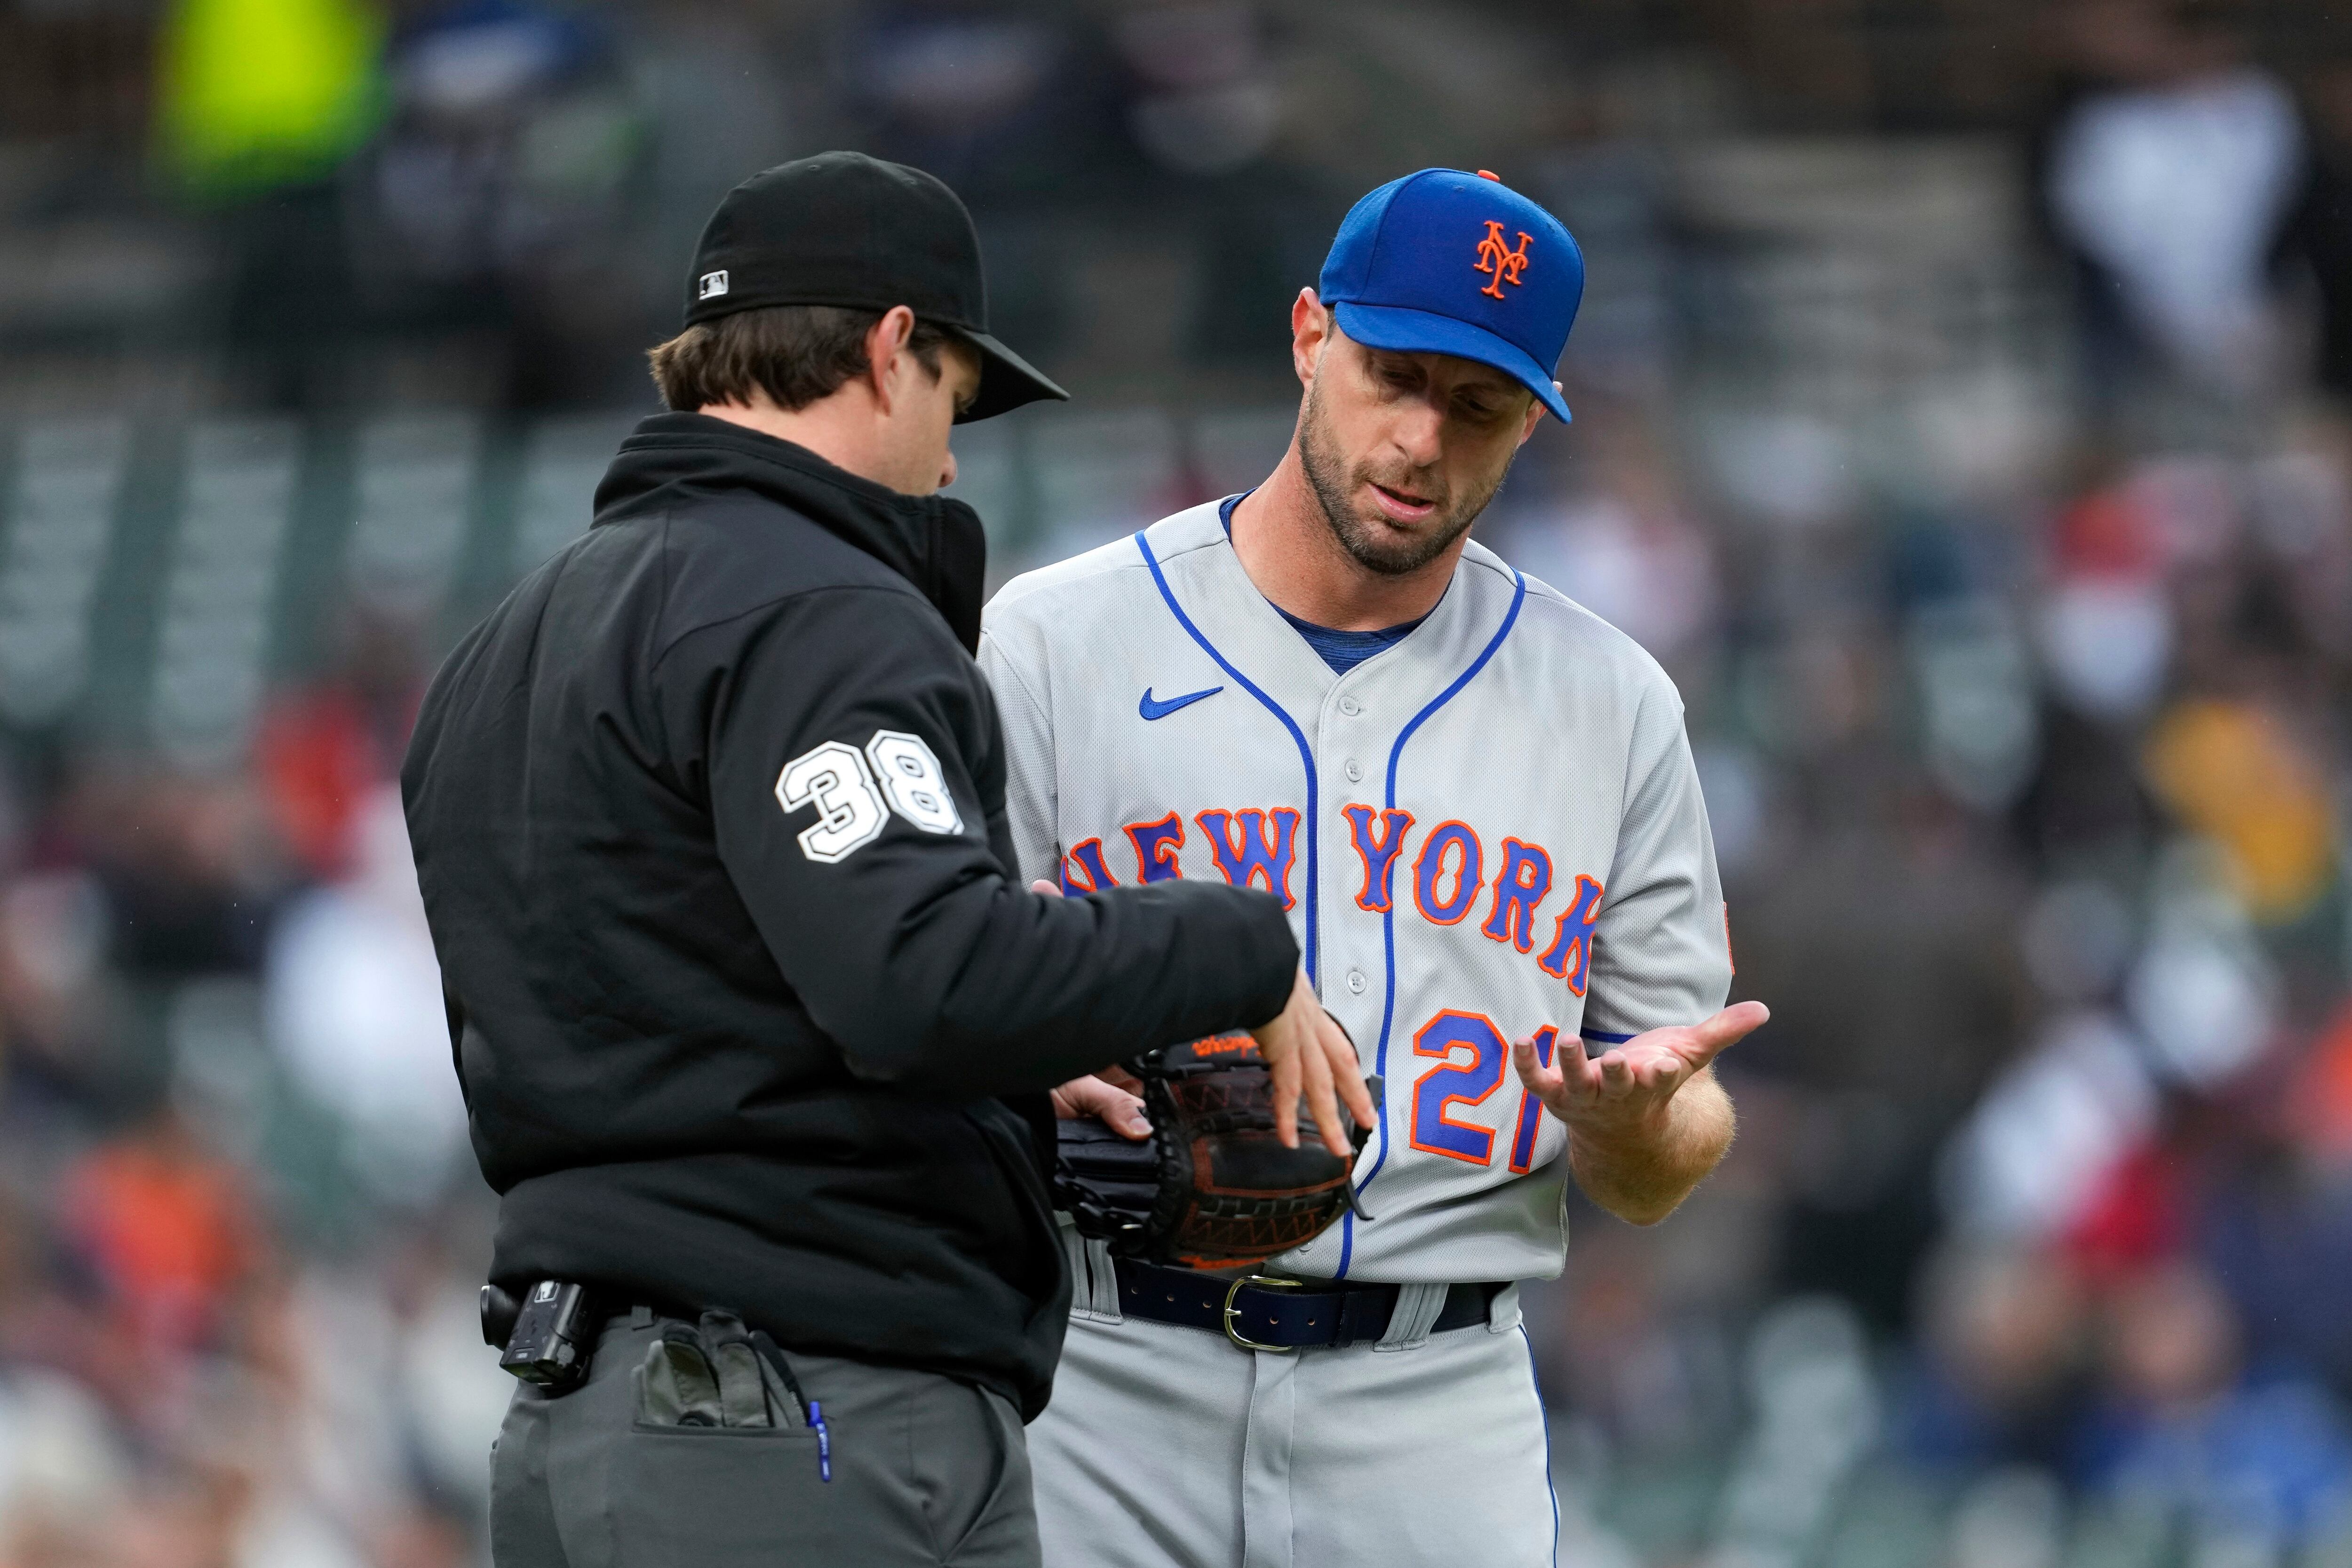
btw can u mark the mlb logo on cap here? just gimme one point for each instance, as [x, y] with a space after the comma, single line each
[1449, 262]
[713, 284]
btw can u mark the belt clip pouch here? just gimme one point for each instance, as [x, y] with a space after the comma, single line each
[553, 1337]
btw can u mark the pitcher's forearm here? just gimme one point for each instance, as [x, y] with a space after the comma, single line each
[1643, 1177]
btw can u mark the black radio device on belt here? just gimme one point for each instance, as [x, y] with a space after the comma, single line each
[552, 1333]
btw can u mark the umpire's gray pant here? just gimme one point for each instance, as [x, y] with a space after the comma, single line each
[925, 1470]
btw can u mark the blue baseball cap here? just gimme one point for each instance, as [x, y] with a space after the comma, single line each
[1454, 263]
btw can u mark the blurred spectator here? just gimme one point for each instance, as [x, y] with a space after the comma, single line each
[2320, 235]
[325, 747]
[2319, 1102]
[2265, 1461]
[188, 865]
[61, 1465]
[169, 1233]
[2000, 1370]
[1205, 100]
[2048, 1131]
[2234, 773]
[2168, 175]
[2107, 624]
[257, 95]
[354, 1005]
[1002, 100]
[53, 953]
[1624, 545]
[504, 176]
[2275, 1228]
[262, 101]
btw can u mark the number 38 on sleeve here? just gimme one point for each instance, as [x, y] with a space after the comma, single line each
[849, 788]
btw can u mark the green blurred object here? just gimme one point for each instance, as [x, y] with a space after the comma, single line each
[261, 93]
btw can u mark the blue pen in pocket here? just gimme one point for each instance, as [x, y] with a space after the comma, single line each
[823, 1440]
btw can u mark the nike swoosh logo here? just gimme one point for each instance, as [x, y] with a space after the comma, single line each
[1151, 708]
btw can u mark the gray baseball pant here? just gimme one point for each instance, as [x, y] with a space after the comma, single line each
[925, 1470]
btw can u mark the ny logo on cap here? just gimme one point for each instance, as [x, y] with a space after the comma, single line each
[714, 284]
[1505, 265]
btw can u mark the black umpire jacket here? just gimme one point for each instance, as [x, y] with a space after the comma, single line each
[710, 817]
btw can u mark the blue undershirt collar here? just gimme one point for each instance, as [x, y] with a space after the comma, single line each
[1341, 650]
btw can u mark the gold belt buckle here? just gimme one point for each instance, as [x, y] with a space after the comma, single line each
[1233, 1310]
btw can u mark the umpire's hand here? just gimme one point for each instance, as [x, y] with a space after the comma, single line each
[1307, 1051]
[1304, 1046]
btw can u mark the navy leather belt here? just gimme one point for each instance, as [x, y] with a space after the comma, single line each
[1268, 1313]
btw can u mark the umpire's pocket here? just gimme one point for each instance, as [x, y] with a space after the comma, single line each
[720, 1497]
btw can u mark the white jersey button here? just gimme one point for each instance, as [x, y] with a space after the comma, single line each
[1355, 981]
[1354, 770]
[1350, 707]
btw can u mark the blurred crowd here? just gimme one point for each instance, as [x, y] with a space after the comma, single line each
[1988, 493]
[238, 1239]
[2029, 776]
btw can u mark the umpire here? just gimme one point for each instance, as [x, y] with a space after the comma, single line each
[755, 1036]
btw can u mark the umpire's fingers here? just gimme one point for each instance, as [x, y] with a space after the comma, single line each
[1278, 1042]
[1322, 1103]
[1346, 1072]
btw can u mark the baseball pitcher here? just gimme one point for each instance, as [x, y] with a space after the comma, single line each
[1477, 805]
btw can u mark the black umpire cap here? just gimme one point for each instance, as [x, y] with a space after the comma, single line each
[842, 228]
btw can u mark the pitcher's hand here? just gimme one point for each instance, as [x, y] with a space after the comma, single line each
[1624, 1092]
[1095, 1096]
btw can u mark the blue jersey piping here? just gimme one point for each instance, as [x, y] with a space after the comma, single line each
[1543, 1416]
[1305, 752]
[1388, 916]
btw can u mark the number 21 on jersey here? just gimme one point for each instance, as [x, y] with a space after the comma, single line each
[1472, 1058]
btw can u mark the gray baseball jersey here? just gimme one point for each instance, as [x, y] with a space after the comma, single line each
[1489, 830]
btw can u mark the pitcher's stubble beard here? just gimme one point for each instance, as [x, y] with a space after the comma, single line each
[1373, 543]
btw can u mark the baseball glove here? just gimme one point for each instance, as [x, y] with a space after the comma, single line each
[1213, 1187]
